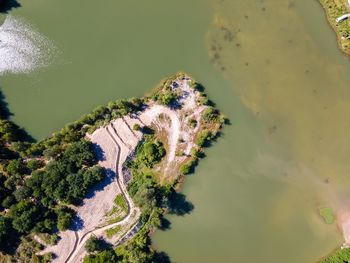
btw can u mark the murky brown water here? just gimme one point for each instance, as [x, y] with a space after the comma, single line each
[272, 66]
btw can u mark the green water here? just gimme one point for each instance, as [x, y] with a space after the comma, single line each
[272, 67]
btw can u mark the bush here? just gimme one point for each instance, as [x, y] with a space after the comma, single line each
[166, 98]
[203, 138]
[35, 164]
[94, 244]
[211, 115]
[150, 151]
[105, 256]
[16, 167]
[136, 127]
[185, 169]
[65, 217]
[192, 123]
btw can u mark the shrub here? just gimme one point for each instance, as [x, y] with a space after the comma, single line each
[94, 244]
[136, 127]
[65, 218]
[203, 138]
[185, 169]
[35, 164]
[211, 115]
[192, 123]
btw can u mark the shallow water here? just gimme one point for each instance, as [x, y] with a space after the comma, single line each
[273, 67]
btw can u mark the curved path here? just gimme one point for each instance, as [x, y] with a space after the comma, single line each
[80, 241]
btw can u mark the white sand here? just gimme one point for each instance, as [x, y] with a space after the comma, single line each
[117, 141]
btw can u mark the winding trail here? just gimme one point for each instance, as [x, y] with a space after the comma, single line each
[80, 241]
[118, 140]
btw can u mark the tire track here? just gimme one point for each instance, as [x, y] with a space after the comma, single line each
[120, 183]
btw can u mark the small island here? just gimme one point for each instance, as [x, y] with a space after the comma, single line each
[95, 190]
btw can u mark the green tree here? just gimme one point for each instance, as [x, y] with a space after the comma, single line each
[94, 244]
[16, 167]
[65, 218]
[150, 152]
[22, 193]
[102, 257]
[24, 216]
[35, 164]
[92, 176]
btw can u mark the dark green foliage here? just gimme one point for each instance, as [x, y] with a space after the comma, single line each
[137, 250]
[211, 115]
[80, 153]
[21, 147]
[65, 218]
[5, 231]
[68, 177]
[203, 138]
[147, 194]
[8, 201]
[22, 193]
[94, 244]
[92, 176]
[35, 164]
[16, 167]
[105, 256]
[24, 216]
[167, 97]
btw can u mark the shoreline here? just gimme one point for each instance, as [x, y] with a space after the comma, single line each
[338, 37]
[181, 137]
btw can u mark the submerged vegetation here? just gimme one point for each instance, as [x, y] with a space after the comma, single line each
[327, 214]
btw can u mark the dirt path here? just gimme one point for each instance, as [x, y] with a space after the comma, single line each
[78, 249]
[114, 143]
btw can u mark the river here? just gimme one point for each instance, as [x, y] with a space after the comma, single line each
[273, 67]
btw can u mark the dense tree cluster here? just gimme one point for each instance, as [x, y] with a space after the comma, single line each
[36, 203]
[38, 180]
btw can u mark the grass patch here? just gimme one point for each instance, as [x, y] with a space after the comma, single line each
[112, 231]
[327, 214]
[115, 220]
[120, 201]
[339, 256]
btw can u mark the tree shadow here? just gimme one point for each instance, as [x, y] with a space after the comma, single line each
[5, 114]
[161, 257]
[178, 205]
[77, 224]
[165, 224]
[99, 152]
[8, 5]
[4, 110]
